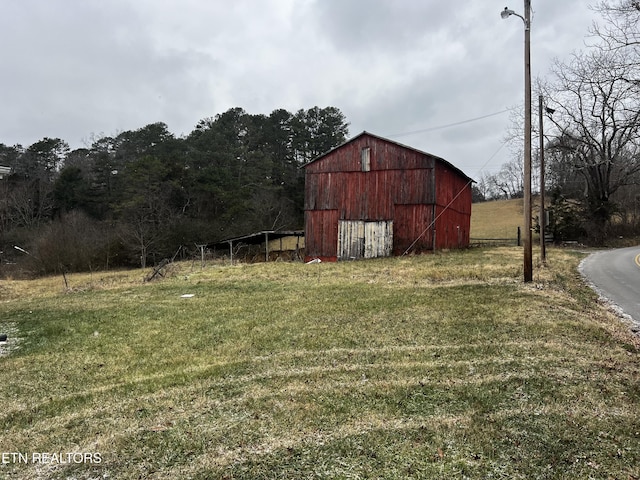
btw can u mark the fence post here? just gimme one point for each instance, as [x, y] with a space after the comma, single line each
[519, 236]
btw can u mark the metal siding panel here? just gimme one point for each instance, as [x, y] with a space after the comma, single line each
[454, 193]
[378, 239]
[413, 187]
[371, 240]
[319, 191]
[412, 226]
[452, 229]
[326, 199]
[312, 246]
[358, 239]
[449, 184]
[386, 246]
[350, 239]
[344, 159]
[330, 236]
[321, 228]
[349, 193]
[310, 189]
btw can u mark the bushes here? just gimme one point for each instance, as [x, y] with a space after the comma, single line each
[567, 218]
[73, 243]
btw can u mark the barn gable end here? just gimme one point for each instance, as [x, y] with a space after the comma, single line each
[374, 197]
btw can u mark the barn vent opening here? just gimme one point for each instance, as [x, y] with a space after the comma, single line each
[365, 159]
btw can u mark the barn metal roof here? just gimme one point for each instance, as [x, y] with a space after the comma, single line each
[259, 237]
[439, 159]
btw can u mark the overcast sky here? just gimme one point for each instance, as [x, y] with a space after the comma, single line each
[76, 68]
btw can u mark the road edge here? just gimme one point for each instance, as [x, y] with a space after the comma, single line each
[634, 326]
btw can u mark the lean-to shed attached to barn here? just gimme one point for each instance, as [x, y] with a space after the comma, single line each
[372, 197]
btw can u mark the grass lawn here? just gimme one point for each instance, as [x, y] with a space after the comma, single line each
[433, 366]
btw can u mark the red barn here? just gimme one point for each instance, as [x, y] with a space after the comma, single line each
[372, 197]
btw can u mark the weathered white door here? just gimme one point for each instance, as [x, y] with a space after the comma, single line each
[360, 239]
[378, 239]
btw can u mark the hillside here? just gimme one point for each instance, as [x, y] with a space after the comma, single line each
[496, 219]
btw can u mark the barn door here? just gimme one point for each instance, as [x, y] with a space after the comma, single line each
[360, 239]
[378, 239]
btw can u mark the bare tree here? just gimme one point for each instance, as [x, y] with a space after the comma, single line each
[509, 179]
[29, 203]
[597, 122]
[620, 26]
[481, 189]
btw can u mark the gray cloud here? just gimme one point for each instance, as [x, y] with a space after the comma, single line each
[79, 67]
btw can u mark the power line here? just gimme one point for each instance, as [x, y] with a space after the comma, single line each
[440, 127]
[504, 142]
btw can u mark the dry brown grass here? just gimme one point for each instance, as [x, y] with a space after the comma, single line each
[500, 218]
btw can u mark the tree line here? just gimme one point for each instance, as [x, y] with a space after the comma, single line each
[134, 198]
[591, 133]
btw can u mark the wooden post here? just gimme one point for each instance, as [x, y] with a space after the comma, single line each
[519, 236]
[543, 247]
[201, 247]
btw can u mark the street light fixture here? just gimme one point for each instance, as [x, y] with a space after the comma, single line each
[506, 13]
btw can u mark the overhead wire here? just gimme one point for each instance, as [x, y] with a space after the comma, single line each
[455, 124]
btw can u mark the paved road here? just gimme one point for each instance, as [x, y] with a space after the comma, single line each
[616, 276]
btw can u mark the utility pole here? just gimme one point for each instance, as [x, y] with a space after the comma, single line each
[543, 247]
[528, 263]
[528, 236]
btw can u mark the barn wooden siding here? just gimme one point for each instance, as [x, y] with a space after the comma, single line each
[453, 208]
[374, 197]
